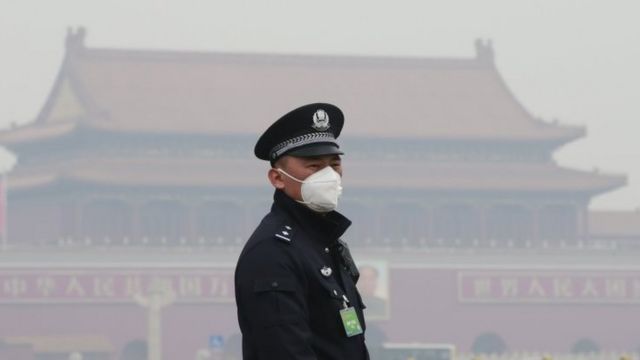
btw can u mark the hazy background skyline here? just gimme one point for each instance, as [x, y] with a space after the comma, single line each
[575, 61]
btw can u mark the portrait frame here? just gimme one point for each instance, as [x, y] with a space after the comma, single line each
[374, 287]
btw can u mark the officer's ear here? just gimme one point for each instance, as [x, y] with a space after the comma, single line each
[275, 177]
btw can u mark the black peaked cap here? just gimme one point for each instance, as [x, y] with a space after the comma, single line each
[310, 130]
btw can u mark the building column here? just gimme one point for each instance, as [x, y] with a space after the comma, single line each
[71, 208]
[430, 211]
[582, 220]
[483, 218]
[136, 225]
[535, 218]
[191, 226]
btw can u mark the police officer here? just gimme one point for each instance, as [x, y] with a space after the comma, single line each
[295, 278]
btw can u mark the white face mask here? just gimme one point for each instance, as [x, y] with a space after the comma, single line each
[320, 190]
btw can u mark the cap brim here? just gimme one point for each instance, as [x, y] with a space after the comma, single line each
[315, 150]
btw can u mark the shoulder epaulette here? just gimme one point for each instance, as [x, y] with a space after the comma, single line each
[285, 234]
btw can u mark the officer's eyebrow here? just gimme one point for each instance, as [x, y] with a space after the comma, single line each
[331, 161]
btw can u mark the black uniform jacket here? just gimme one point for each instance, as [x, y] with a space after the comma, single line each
[287, 307]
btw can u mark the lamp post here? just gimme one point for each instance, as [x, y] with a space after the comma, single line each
[159, 295]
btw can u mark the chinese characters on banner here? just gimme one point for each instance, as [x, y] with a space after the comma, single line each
[113, 286]
[540, 286]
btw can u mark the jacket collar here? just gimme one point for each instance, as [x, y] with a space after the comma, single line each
[328, 226]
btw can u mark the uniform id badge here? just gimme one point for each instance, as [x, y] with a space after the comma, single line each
[350, 321]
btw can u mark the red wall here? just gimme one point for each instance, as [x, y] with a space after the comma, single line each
[424, 307]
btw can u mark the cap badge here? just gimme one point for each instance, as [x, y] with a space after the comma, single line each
[320, 120]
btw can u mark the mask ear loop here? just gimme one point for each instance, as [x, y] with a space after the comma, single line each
[304, 181]
[291, 177]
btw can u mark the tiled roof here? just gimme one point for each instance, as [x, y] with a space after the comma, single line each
[222, 93]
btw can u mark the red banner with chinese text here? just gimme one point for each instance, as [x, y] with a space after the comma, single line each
[24, 286]
[549, 287]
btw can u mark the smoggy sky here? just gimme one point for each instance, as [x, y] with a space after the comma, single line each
[577, 61]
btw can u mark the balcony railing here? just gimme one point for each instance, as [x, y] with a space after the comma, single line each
[379, 243]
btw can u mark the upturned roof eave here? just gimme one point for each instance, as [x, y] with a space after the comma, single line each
[36, 132]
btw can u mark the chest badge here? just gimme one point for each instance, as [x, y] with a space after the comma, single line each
[326, 271]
